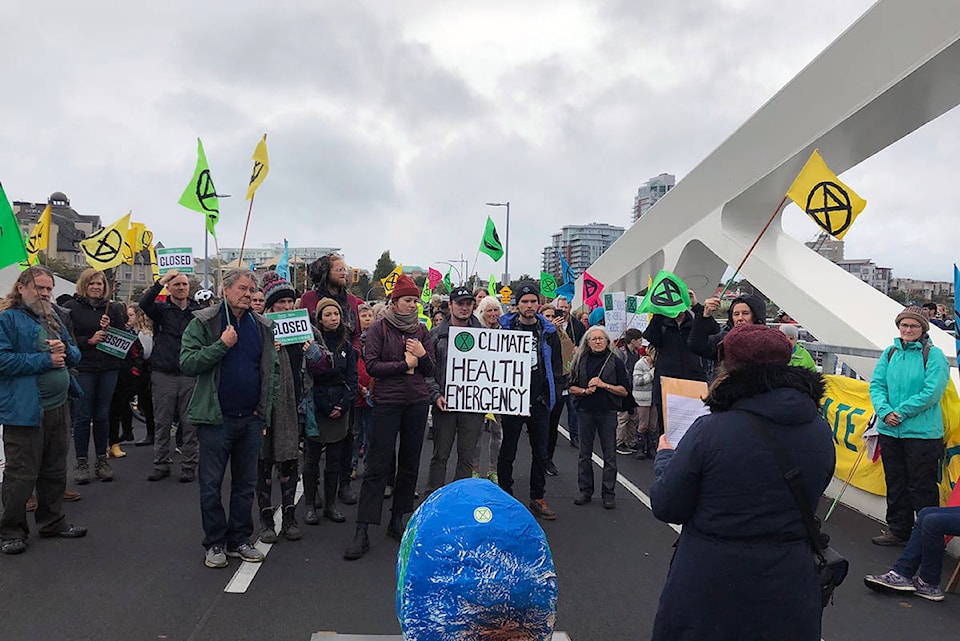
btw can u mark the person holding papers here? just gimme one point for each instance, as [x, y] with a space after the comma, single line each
[744, 565]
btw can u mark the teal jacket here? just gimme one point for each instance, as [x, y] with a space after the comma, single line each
[21, 361]
[200, 353]
[903, 385]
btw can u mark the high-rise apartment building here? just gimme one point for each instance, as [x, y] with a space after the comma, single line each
[581, 246]
[650, 192]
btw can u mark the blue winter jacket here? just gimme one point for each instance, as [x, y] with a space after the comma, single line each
[20, 363]
[551, 359]
[901, 384]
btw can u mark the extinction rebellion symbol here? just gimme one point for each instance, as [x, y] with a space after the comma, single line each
[829, 206]
[464, 341]
[667, 294]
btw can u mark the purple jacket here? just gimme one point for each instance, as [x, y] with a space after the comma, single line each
[383, 351]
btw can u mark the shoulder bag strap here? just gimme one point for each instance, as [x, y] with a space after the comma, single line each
[791, 475]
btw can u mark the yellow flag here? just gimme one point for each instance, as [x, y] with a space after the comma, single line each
[39, 238]
[154, 268]
[134, 243]
[261, 166]
[390, 281]
[829, 202]
[103, 249]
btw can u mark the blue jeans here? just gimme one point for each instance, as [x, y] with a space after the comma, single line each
[98, 390]
[604, 425]
[924, 551]
[572, 423]
[236, 440]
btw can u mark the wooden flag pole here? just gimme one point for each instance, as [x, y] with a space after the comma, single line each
[245, 228]
[846, 483]
[752, 247]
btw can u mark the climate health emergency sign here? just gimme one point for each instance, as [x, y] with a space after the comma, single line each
[488, 371]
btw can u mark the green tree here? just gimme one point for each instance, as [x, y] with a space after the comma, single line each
[385, 265]
[361, 287]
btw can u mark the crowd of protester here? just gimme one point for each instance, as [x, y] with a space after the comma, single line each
[214, 387]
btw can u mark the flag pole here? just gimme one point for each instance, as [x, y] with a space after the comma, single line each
[752, 247]
[245, 227]
[846, 483]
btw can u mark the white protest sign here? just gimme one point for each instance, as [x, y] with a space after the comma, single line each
[291, 327]
[615, 313]
[117, 342]
[489, 371]
[635, 320]
[178, 258]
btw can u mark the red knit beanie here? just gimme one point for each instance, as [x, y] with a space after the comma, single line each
[404, 287]
[747, 345]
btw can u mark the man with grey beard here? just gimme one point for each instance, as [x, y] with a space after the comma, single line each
[36, 351]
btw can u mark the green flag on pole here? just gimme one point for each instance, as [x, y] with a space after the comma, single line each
[667, 295]
[446, 281]
[548, 285]
[426, 293]
[200, 194]
[492, 285]
[12, 248]
[491, 245]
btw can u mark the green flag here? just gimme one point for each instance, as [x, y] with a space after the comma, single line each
[446, 281]
[12, 248]
[667, 295]
[491, 245]
[492, 285]
[200, 194]
[426, 293]
[548, 285]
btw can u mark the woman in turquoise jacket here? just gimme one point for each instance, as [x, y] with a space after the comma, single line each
[905, 390]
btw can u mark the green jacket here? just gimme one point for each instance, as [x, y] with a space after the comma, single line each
[801, 358]
[200, 353]
[903, 385]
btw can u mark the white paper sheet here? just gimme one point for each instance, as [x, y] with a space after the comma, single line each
[682, 411]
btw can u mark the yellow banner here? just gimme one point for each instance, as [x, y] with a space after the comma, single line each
[847, 408]
[103, 249]
[39, 238]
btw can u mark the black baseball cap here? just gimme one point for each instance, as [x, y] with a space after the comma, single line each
[460, 293]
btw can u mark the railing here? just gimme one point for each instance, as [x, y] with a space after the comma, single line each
[826, 357]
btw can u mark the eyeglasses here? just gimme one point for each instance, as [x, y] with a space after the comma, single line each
[598, 338]
[910, 326]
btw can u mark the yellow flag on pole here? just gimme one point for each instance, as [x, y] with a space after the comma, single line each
[103, 249]
[829, 202]
[154, 268]
[39, 238]
[134, 243]
[261, 167]
[390, 280]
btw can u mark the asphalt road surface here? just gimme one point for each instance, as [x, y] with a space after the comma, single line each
[139, 574]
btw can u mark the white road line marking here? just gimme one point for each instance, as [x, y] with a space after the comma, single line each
[624, 481]
[245, 574]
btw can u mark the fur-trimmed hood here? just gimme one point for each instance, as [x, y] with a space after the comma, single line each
[782, 393]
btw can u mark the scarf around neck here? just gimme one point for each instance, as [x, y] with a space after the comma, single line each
[406, 323]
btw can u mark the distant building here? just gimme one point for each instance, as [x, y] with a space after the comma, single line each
[67, 226]
[650, 192]
[828, 247]
[581, 246]
[260, 255]
[866, 270]
[924, 290]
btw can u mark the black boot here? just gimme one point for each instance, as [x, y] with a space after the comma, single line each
[360, 544]
[642, 452]
[310, 499]
[147, 440]
[330, 498]
[395, 529]
[291, 531]
[267, 532]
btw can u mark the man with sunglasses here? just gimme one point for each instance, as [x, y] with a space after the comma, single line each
[905, 390]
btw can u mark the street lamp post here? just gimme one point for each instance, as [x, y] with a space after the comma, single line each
[453, 266]
[506, 243]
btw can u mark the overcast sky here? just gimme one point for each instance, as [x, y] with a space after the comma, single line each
[392, 123]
